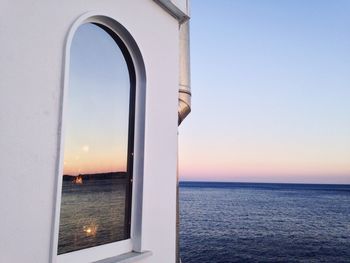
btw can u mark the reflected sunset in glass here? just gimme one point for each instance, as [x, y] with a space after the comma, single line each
[95, 205]
[98, 105]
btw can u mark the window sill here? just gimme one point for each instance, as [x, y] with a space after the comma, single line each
[127, 257]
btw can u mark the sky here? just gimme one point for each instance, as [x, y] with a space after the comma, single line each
[97, 112]
[271, 92]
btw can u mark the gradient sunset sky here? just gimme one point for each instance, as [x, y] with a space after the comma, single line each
[97, 112]
[271, 92]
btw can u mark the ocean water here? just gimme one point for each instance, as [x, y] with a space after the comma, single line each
[92, 214]
[244, 222]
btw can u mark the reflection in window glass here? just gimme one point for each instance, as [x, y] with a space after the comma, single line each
[95, 205]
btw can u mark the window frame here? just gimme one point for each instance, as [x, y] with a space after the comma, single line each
[136, 132]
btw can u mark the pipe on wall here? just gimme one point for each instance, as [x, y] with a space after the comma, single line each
[182, 17]
[184, 107]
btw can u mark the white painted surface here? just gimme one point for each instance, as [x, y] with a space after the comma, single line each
[95, 254]
[127, 258]
[182, 5]
[177, 8]
[32, 41]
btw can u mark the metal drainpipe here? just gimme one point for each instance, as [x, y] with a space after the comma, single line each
[185, 73]
[184, 107]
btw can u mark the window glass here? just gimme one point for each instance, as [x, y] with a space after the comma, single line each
[95, 204]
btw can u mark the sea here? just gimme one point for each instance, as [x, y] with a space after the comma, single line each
[92, 214]
[263, 222]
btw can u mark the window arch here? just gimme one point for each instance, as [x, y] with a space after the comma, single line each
[112, 121]
[98, 143]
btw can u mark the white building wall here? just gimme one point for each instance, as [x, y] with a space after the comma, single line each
[182, 5]
[32, 41]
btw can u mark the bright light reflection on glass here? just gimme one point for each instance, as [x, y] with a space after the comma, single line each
[96, 179]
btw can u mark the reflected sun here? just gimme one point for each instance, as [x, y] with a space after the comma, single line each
[85, 148]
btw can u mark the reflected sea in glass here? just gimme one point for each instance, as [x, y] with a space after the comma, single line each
[92, 214]
[244, 222]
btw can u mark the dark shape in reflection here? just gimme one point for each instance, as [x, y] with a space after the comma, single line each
[97, 176]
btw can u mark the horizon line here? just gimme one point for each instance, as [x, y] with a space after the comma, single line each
[240, 182]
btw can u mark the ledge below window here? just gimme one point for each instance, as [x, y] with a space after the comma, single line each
[127, 257]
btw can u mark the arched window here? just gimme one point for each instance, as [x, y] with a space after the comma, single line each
[98, 141]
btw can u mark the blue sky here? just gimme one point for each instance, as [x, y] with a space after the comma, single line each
[271, 92]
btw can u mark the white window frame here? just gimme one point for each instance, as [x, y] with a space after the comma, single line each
[125, 250]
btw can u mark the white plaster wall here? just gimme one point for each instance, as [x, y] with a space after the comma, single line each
[182, 5]
[32, 42]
